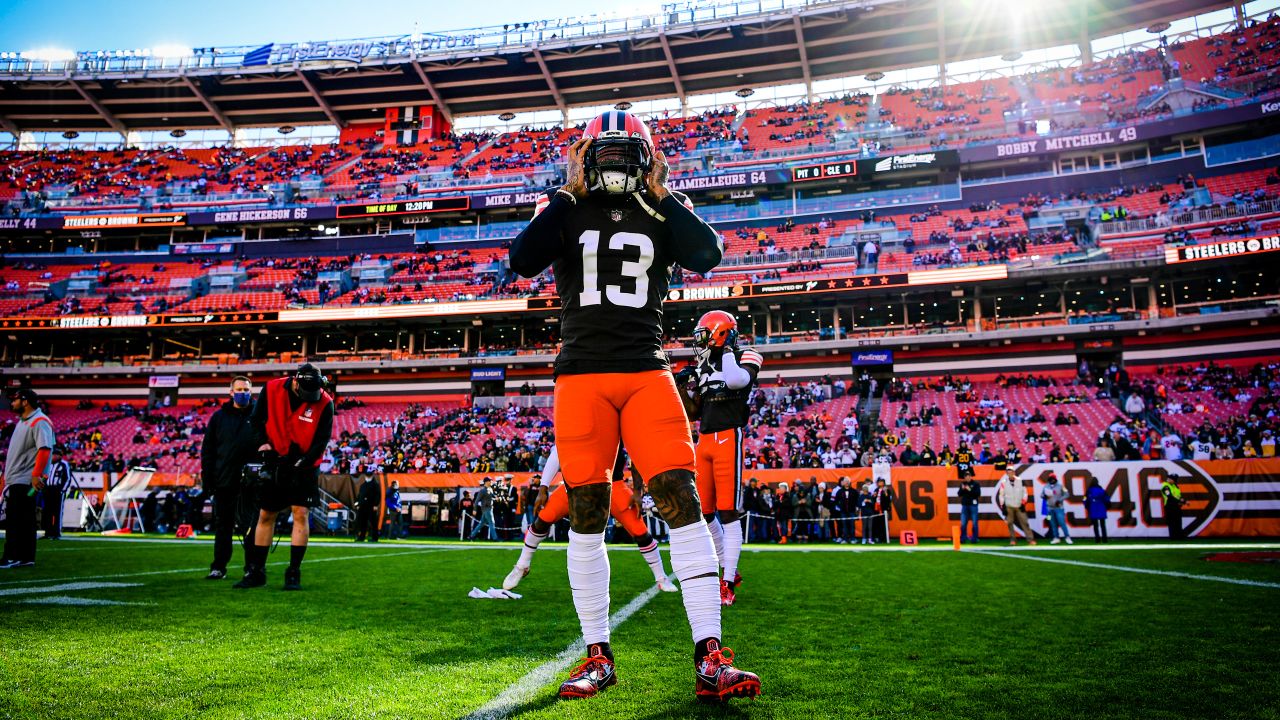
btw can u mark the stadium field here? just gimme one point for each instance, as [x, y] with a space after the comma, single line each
[388, 631]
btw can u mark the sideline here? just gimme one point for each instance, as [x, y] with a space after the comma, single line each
[1126, 568]
[927, 545]
[205, 568]
[523, 690]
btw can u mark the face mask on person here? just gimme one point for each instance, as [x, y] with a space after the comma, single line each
[241, 398]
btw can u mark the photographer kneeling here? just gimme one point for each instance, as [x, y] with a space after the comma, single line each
[294, 420]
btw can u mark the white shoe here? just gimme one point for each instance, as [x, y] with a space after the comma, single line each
[1054, 541]
[1069, 541]
[665, 585]
[514, 577]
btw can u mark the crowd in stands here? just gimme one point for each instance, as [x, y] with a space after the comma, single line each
[1109, 87]
[1212, 411]
[1201, 411]
[468, 439]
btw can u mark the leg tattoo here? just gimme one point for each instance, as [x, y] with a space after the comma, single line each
[676, 497]
[589, 507]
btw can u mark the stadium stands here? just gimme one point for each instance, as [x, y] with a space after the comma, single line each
[1109, 90]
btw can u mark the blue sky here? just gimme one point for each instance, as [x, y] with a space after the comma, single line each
[107, 25]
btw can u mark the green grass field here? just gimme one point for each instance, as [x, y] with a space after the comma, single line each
[389, 632]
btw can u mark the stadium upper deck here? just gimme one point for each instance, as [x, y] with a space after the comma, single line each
[687, 49]
[1228, 69]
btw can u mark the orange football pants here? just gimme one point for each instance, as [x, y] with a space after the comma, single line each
[719, 468]
[594, 412]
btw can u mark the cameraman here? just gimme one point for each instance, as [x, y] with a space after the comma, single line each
[294, 421]
[230, 442]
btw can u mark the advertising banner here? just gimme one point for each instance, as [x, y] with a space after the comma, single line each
[873, 357]
[1128, 133]
[1220, 250]
[262, 215]
[1224, 498]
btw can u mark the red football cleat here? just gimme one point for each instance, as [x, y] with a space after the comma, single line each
[737, 578]
[719, 680]
[593, 674]
[726, 593]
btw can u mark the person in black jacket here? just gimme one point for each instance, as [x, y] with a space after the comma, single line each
[368, 501]
[230, 442]
[970, 498]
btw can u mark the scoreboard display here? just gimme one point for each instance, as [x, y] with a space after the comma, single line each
[406, 207]
[823, 171]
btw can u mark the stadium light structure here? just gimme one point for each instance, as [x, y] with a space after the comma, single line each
[49, 55]
[171, 52]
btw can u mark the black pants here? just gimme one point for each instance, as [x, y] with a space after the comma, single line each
[1099, 529]
[20, 524]
[232, 515]
[366, 523]
[1173, 516]
[392, 527]
[51, 516]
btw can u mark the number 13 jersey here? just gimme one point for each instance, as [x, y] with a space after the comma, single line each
[613, 272]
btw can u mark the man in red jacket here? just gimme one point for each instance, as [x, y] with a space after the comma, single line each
[294, 421]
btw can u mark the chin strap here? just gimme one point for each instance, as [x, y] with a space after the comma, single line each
[657, 215]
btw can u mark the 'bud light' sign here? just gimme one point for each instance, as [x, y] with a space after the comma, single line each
[488, 374]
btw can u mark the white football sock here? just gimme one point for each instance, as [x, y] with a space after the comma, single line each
[654, 558]
[589, 580]
[717, 537]
[694, 563]
[531, 542]
[732, 548]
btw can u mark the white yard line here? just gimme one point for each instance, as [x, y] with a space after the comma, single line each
[65, 600]
[205, 568]
[66, 587]
[1126, 568]
[523, 690]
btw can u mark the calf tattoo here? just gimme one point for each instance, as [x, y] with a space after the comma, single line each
[589, 507]
[676, 497]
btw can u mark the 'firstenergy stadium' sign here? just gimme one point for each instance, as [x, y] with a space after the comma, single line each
[1222, 249]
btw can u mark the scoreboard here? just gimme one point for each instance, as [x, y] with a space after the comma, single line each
[823, 171]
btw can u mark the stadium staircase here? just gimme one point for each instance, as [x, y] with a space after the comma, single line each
[869, 414]
[1182, 95]
[479, 149]
[355, 159]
